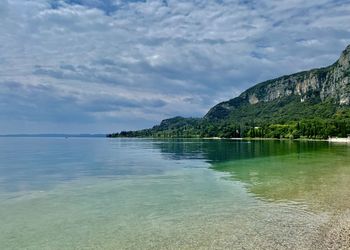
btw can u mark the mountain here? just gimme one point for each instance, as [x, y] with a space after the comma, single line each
[330, 84]
[314, 103]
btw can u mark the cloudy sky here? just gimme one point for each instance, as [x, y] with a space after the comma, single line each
[107, 65]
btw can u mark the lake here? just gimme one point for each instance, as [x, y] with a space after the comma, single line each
[99, 193]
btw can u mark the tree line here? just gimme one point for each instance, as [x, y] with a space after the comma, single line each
[310, 128]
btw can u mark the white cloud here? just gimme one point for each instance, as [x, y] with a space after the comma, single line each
[182, 55]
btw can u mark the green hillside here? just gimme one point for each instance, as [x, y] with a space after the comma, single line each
[310, 104]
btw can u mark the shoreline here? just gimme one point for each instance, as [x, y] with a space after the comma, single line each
[339, 140]
[331, 139]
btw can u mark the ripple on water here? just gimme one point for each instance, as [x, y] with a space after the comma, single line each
[146, 194]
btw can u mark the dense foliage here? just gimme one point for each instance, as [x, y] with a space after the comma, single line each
[318, 125]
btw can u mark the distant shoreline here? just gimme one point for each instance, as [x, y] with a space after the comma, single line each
[331, 139]
[55, 135]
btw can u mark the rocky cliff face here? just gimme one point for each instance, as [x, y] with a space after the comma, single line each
[331, 83]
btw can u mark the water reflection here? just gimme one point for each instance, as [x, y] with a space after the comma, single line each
[314, 173]
[216, 151]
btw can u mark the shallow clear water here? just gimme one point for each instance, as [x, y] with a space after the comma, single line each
[97, 193]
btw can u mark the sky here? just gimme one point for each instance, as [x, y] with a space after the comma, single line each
[101, 66]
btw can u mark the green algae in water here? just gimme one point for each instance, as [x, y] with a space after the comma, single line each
[319, 178]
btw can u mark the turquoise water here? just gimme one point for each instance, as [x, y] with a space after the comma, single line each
[97, 193]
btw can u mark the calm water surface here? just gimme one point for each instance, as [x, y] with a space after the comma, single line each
[97, 193]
